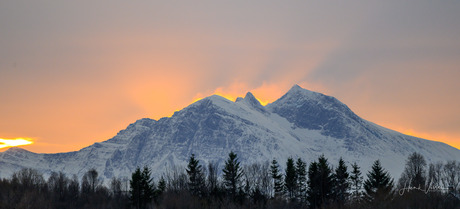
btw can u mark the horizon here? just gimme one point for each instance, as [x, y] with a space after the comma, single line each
[75, 73]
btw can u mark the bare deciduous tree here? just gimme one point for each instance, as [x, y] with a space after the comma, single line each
[451, 175]
[414, 174]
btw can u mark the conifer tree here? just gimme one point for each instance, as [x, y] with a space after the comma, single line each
[232, 174]
[135, 188]
[147, 184]
[159, 190]
[378, 185]
[290, 179]
[161, 185]
[356, 182]
[142, 188]
[313, 191]
[301, 172]
[196, 181]
[277, 179]
[341, 183]
[319, 183]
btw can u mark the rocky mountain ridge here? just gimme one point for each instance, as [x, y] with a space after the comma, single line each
[301, 123]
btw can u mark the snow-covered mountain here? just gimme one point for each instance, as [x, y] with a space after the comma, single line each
[301, 123]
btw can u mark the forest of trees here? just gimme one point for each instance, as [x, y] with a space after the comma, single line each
[261, 185]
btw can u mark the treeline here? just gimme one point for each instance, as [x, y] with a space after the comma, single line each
[266, 185]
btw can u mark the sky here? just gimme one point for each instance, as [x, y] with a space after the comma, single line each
[73, 73]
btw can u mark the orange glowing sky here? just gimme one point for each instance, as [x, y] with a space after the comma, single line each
[74, 73]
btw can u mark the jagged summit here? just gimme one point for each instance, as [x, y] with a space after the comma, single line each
[215, 100]
[250, 97]
[252, 102]
[301, 123]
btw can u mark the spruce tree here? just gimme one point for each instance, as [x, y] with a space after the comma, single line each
[378, 185]
[161, 186]
[232, 174]
[277, 179]
[135, 188]
[301, 172]
[142, 188]
[320, 183]
[290, 179]
[313, 191]
[356, 181]
[196, 181]
[341, 183]
[148, 186]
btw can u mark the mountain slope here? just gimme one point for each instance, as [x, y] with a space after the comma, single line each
[300, 124]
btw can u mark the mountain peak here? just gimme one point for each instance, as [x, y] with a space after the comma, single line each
[252, 102]
[216, 99]
[16, 149]
[251, 99]
[213, 101]
[297, 91]
[316, 111]
[296, 87]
